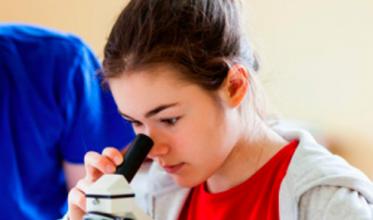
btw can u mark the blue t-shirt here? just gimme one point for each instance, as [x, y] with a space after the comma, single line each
[52, 109]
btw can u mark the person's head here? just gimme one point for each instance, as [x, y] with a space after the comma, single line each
[181, 73]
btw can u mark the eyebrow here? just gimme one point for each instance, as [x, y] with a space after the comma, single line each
[153, 111]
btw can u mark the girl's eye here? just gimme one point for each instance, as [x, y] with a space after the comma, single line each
[135, 123]
[170, 121]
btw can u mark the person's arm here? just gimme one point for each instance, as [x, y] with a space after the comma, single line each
[73, 173]
[331, 202]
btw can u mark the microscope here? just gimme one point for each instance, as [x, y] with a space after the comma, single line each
[111, 197]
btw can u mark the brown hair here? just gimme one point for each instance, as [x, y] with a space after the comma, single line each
[202, 37]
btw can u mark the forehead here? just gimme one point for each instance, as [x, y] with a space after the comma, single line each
[146, 88]
[154, 77]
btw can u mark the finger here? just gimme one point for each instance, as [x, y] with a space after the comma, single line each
[96, 165]
[77, 204]
[113, 154]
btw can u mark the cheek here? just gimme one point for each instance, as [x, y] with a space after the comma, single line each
[203, 152]
[201, 143]
[202, 137]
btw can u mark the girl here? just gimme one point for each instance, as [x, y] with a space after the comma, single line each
[181, 72]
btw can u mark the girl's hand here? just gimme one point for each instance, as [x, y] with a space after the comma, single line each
[95, 166]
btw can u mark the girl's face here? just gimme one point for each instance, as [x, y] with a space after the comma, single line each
[191, 131]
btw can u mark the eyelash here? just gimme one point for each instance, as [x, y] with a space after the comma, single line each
[171, 121]
[135, 123]
[168, 121]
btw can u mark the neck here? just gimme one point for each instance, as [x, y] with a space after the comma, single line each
[247, 156]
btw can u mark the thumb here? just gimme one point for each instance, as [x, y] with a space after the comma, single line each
[77, 204]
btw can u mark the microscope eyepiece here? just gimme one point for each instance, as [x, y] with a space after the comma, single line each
[135, 156]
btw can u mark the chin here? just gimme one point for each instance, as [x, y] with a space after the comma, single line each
[186, 182]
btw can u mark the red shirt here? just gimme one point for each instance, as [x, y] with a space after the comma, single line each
[256, 198]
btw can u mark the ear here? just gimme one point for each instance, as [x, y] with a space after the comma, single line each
[235, 85]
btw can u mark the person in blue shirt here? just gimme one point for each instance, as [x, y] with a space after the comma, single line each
[53, 109]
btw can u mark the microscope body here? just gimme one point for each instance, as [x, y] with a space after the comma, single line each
[110, 197]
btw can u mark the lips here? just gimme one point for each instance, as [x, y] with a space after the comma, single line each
[172, 169]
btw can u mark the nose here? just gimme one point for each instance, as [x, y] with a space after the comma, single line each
[160, 146]
[157, 150]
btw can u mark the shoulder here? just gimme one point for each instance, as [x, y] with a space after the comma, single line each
[22, 36]
[313, 170]
[313, 165]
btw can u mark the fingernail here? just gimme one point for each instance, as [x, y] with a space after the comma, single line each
[118, 160]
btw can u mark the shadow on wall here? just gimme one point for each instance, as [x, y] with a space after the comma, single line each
[356, 150]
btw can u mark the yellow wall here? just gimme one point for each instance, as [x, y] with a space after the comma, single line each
[316, 58]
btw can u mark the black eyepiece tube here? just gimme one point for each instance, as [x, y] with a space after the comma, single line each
[135, 156]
